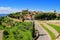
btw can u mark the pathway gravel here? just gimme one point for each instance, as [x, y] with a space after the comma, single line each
[43, 34]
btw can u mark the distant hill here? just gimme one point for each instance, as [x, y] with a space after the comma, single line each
[3, 15]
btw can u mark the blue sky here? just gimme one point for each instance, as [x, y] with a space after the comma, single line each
[7, 6]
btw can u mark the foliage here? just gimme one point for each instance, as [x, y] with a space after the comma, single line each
[18, 15]
[17, 30]
[1, 27]
[58, 18]
[15, 15]
[45, 16]
[20, 32]
[1, 18]
[9, 22]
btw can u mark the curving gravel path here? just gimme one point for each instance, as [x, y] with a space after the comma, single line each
[52, 29]
[43, 34]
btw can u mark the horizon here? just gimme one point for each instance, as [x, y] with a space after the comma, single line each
[9, 6]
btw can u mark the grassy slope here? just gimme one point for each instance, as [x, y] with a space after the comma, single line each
[1, 27]
[51, 33]
[55, 27]
[22, 32]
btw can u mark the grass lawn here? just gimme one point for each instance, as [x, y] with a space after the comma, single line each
[1, 27]
[20, 32]
[51, 33]
[57, 28]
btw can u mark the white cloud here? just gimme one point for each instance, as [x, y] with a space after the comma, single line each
[7, 10]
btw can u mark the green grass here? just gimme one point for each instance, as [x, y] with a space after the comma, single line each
[57, 28]
[1, 27]
[20, 32]
[50, 33]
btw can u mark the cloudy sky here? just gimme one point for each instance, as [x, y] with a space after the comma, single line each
[9, 6]
[5, 10]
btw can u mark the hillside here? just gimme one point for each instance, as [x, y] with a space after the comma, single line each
[14, 29]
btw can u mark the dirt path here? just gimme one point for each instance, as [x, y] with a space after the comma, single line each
[1, 34]
[43, 34]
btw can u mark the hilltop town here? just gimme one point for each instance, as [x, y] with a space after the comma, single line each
[17, 25]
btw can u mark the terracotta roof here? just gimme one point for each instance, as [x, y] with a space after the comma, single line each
[28, 16]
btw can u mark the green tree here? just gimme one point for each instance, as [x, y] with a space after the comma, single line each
[45, 16]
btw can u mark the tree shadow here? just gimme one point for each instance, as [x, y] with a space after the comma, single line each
[39, 36]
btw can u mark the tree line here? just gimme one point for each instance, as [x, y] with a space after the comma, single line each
[47, 16]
